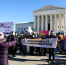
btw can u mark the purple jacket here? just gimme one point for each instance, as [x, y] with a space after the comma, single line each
[3, 51]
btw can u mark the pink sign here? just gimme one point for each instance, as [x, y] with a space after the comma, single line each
[43, 34]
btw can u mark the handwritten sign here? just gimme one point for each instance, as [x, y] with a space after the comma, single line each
[43, 34]
[6, 27]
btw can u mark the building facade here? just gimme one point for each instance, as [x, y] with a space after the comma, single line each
[20, 27]
[52, 18]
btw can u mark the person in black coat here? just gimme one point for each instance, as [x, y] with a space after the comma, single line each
[20, 48]
[31, 47]
[12, 49]
[52, 49]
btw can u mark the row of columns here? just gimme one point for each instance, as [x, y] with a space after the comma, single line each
[46, 22]
[64, 19]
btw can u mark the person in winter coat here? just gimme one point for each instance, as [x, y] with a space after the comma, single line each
[60, 42]
[3, 49]
[52, 50]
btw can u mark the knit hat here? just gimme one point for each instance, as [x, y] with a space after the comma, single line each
[2, 39]
[1, 35]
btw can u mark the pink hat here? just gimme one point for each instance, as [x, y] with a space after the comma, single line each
[1, 35]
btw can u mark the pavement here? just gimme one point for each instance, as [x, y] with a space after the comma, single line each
[35, 60]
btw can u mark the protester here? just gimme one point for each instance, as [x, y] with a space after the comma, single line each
[26, 36]
[22, 47]
[60, 37]
[52, 35]
[60, 42]
[45, 51]
[3, 49]
[19, 37]
[37, 48]
[12, 49]
[32, 48]
[33, 35]
[30, 36]
[37, 34]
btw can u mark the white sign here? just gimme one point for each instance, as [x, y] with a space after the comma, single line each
[46, 43]
[6, 27]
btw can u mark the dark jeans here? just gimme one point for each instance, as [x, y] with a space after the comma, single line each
[20, 46]
[53, 53]
[31, 50]
[45, 51]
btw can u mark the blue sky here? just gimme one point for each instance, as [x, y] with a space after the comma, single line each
[22, 10]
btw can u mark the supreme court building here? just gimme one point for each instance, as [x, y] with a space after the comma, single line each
[52, 18]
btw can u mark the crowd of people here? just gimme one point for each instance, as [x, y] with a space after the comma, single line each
[13, 49]
[38, 49]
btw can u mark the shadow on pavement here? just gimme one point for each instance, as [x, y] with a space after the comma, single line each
[20, 53]
[23, 60]
[58, 61]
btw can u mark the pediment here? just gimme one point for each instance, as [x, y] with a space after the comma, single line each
[49, 7]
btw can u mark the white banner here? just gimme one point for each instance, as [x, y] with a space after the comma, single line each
[46, 43]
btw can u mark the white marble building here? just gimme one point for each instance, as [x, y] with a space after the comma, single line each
[20, 27]
[52, 18]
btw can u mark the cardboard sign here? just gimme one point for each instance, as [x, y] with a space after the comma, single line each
[43, 34]
[46, 43]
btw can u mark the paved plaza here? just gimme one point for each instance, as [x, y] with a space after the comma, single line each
[35, 60]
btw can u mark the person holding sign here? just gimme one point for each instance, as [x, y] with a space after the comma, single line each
[52, 49]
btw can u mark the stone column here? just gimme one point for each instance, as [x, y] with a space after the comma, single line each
[64, 20]
[42, 22]
[59, 22]
[50, 22]
[55, 23]
[34, 22]
[38, 24]
[46, 22]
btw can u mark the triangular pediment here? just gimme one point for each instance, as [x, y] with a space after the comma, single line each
[49, 7]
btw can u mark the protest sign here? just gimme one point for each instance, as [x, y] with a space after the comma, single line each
[43, 34]
[64, 45]
[46, 43]
[6, 27]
